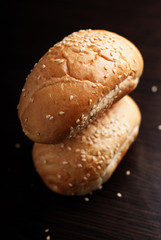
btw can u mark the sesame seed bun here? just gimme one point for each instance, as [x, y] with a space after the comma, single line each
[83, 163]
[77, 79]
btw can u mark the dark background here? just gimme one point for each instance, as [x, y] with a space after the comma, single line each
[28, 29]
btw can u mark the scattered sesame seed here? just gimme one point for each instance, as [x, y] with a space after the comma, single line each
[114, 70]
[31, 99]
[43, 66]
[59, 176]
[159, 127]
[154, 89]
[77, 150]
[48, 237]
[48, 116]
[62, 145]
[45, 161]
[79, 165]
[105, 67]
[23, 90]
[83, 160]
[38, 77]
[47, 230]
[71, 97]
[86, 199]
[70, 185]
[61, 60]
[85, 178]
[69, 148]
[119, 194]
[64, 162]
[61, 113]
[99, 167]
[77, 121]
[90, 101]
[128, 172]
[106, 76]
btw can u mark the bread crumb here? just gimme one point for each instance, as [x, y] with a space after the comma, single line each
[154, 89]
[86, 199]
[159, 127]
[17, 145]
[128, 172]
[119, 194]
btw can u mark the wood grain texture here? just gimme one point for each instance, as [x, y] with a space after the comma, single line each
[30, 29]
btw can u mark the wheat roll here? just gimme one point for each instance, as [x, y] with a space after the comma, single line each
[83, 163]
[75, 80]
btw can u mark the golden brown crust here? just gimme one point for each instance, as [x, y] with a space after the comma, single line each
[72, 78]
[81, 164]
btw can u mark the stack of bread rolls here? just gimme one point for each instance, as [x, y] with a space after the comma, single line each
[74, 106]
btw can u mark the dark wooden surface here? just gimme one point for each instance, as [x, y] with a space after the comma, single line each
[29, 208]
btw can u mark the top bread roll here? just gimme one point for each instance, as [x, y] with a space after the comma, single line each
[77, 79]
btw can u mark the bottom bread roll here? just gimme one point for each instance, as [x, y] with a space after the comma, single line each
[83, 163]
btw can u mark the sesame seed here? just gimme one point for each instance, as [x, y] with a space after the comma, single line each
[94, 85]
[45, 161]
[159, 127]
[105, 67]
[51, 117]
[83, 160]
[154, 89]
[61, 113]
[85, 178]
[128, 172]
[70, 185]
[59, 176]
[77, 121]
[62, 145]
[38, 77]
[106, 76]
[31, 99]
[69, 148]
[64, 162]
[77, 150]
[48, 116]
[99, 167]
[23, 90]
[90, 101]
[119, 194]
[79, 165]
[46, 230]
[86, 199]
[114, 70]
[71, 97]
[61, 61]
[43, 66]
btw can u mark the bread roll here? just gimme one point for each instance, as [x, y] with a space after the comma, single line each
[75, 80]
[83, 163]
